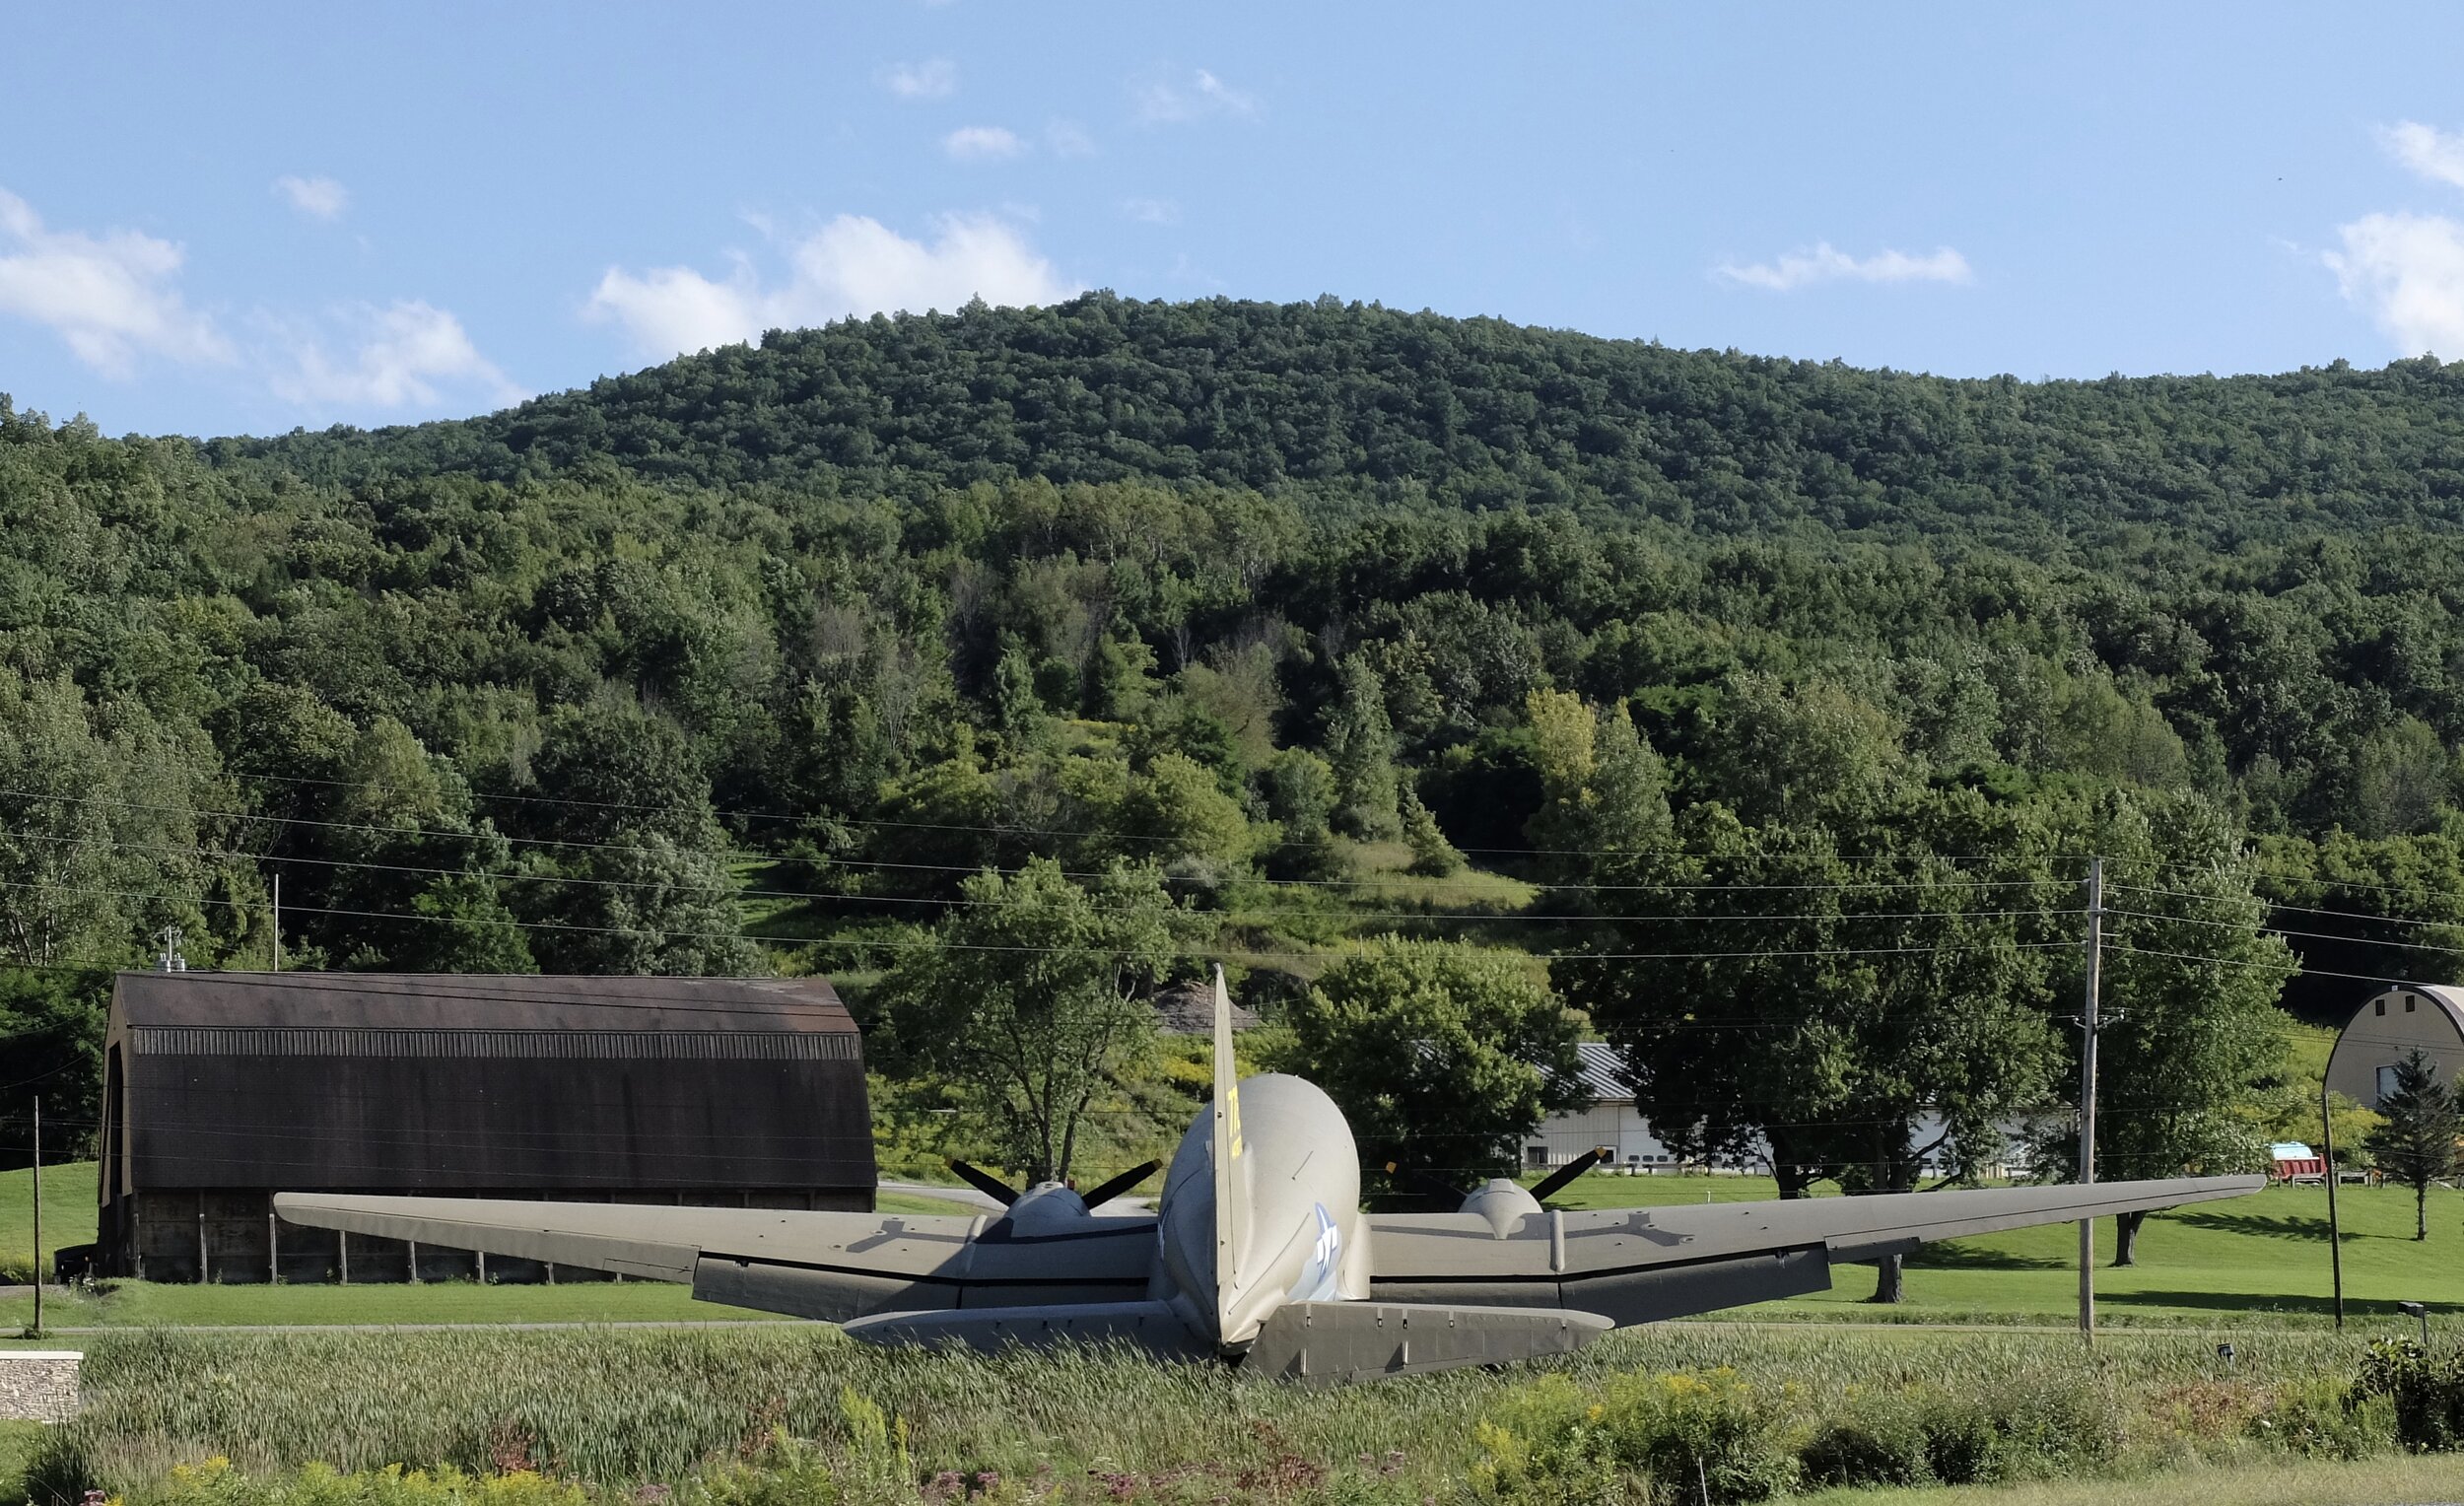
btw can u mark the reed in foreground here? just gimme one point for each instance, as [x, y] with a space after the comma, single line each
[692, 1412]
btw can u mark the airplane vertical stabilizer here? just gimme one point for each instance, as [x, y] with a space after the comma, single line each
[1231, 1176]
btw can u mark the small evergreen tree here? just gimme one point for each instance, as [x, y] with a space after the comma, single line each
[2416, 1144]
[1300, 796]
[1360, 745]
[1432, 856]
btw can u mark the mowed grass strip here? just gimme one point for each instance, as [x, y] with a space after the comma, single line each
[2391, 1481]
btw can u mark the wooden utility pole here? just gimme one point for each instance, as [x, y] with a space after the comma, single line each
[2088, 1097]
[2335, 1230]
[38, 1214]
[277, 923]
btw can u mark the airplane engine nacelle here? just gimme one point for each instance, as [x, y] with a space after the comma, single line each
[1503, 1202]
[1045, 1207]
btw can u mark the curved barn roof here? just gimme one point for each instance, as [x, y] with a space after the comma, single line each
[471, 1002]
[2372, 1039]
[2449, 999]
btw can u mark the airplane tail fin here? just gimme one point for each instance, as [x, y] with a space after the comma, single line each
[1231, 1177]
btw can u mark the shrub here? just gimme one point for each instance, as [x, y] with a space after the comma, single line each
[2321, 1419]
[1911, 1436]
[2053, 1423]
[1663, 1439]
[2425, 1390]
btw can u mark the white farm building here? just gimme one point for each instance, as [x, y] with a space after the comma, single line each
[1610, 1121]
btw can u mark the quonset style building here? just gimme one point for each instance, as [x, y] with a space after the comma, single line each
[221, 1089]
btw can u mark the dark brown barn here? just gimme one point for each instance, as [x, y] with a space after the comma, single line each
[221, 1089]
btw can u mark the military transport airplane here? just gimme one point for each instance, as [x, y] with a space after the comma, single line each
[1257, 1252]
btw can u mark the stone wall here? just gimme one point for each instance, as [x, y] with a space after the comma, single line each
[39, 1385]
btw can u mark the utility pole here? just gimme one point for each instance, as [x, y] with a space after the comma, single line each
[2335, 1229]
[278, 922]
[38, 1214]
[2088, 1097]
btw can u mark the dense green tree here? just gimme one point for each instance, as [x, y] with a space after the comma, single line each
[626, 868]
[1444, 1057]
[1032, 995]
[1783, 1001]
[2187, 994]
[51, 1047]
[98, 829]
[1605, 801]
[1301, 798]
[1175, 811]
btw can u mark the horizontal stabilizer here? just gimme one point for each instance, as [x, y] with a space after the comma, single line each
[1333, 1342]
[810, 1263]
[650, 1242]
[1152, 1325]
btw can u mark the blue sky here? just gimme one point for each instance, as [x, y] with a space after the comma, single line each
[244, 219]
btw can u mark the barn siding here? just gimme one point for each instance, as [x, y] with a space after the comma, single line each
[231, 1087]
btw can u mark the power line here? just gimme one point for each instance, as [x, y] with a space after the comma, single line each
[744, 854]
[923, 942]
[691, 811]
[516, 875]
[2356, 916]
[2279, 931]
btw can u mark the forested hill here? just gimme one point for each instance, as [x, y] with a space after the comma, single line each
[1361, 405]
[747, 660]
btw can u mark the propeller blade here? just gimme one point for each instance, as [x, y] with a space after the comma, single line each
[1427, 1183]
[1563, 1177]
[1122, 1184]
[986, 1182]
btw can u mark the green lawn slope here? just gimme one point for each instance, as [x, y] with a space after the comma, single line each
[2260, 1257]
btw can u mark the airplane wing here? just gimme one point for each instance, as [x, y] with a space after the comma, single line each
[1643, 1265]
[828, 1265]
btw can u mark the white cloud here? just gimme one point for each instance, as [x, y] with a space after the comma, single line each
[982, 143]
[1171, 101]
[1827, 263]
[2427, 151]
[2408, 271]
[1067, 138]
[854, 265]
[1151, 211]
[399, 357]
[936, 77]
[111, 298]
[319, 197]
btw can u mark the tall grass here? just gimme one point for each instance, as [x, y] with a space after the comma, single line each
[628, 1405]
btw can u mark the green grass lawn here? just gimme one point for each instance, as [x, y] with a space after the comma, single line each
[68, 1213]
[146, 1304]
[2264, 1256]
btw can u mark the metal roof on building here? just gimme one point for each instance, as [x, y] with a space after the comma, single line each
[1602, 1072]
[407, 1082]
